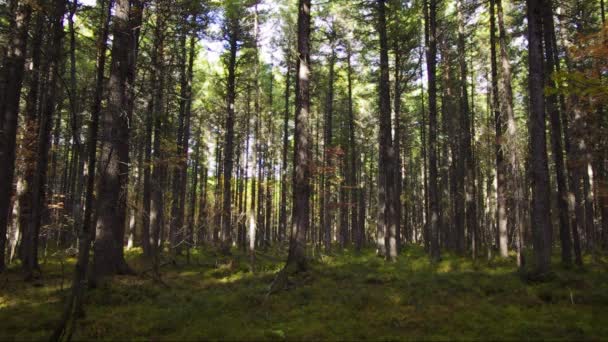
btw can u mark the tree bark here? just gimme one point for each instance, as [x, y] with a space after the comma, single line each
[556, 134]
[12, 80]
[301, 202]
[501, 196]
[387, 243]
[431, 52]
[45, 124]
[541, 211]
[114, 157]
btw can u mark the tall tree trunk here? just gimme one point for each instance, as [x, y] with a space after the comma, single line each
[114, 158]
[73, 306]
[541, 211]
[301, 188]
[328, 156]
[157, 209]
[229, 142]
[386, 205]
[510, 145]
[356, 224]
[465, 142]
[556, 134]
[45, 124]
[501, 196]
[147, 184]
[180, 172]
[430, 7]
[397, 147]
[29, 140]
[12, 80]
[283, 204]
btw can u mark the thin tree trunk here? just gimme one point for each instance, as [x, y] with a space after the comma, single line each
[283, 204]
[431, 51]
[501, 196]
[556, 135]
[73, 306]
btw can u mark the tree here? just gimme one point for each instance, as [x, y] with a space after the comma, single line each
[11, 82]
[301, 187]
[386, 199]
[73, 305]
[430, 9]
[45, 123]
[538, 147]
[114, 157]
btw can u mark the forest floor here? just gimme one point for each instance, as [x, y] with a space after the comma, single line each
[343, 297]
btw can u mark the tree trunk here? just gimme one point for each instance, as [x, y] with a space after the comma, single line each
[45, 123]
[556, 134]
[73, 306]
[29, 141]
[501, 196]
[114, 157]
[541, 211]
[465, 142]
[431, 52]
[301, 187]
[12, 80]
[387, 243]
[283, 205]
[356, 224]
[328, 170]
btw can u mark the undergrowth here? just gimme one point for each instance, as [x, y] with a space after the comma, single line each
[344, 296]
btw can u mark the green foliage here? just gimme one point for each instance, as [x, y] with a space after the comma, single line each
[346, 296]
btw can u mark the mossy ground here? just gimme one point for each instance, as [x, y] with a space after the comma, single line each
[344, 297]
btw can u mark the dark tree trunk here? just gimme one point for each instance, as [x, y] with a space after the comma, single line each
[387, 243]
[556, 134]
[146, 240]
[301, 188]
[328, 157]
[501, 196]
[510, 147]
[398, 182]
[229, 142]
[541, 211]
[114, 157]
[73, 306]
[431, 56]
[29, 145]
[45, 123]
[283, 204]
[465, 142]
[356, 224]
[157, 195]
[12, 80]
[180, 173]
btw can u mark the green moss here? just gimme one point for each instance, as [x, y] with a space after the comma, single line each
[345, 296]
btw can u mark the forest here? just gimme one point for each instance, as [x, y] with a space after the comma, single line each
[303, 170]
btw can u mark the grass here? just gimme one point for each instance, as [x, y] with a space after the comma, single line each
[344, 297]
